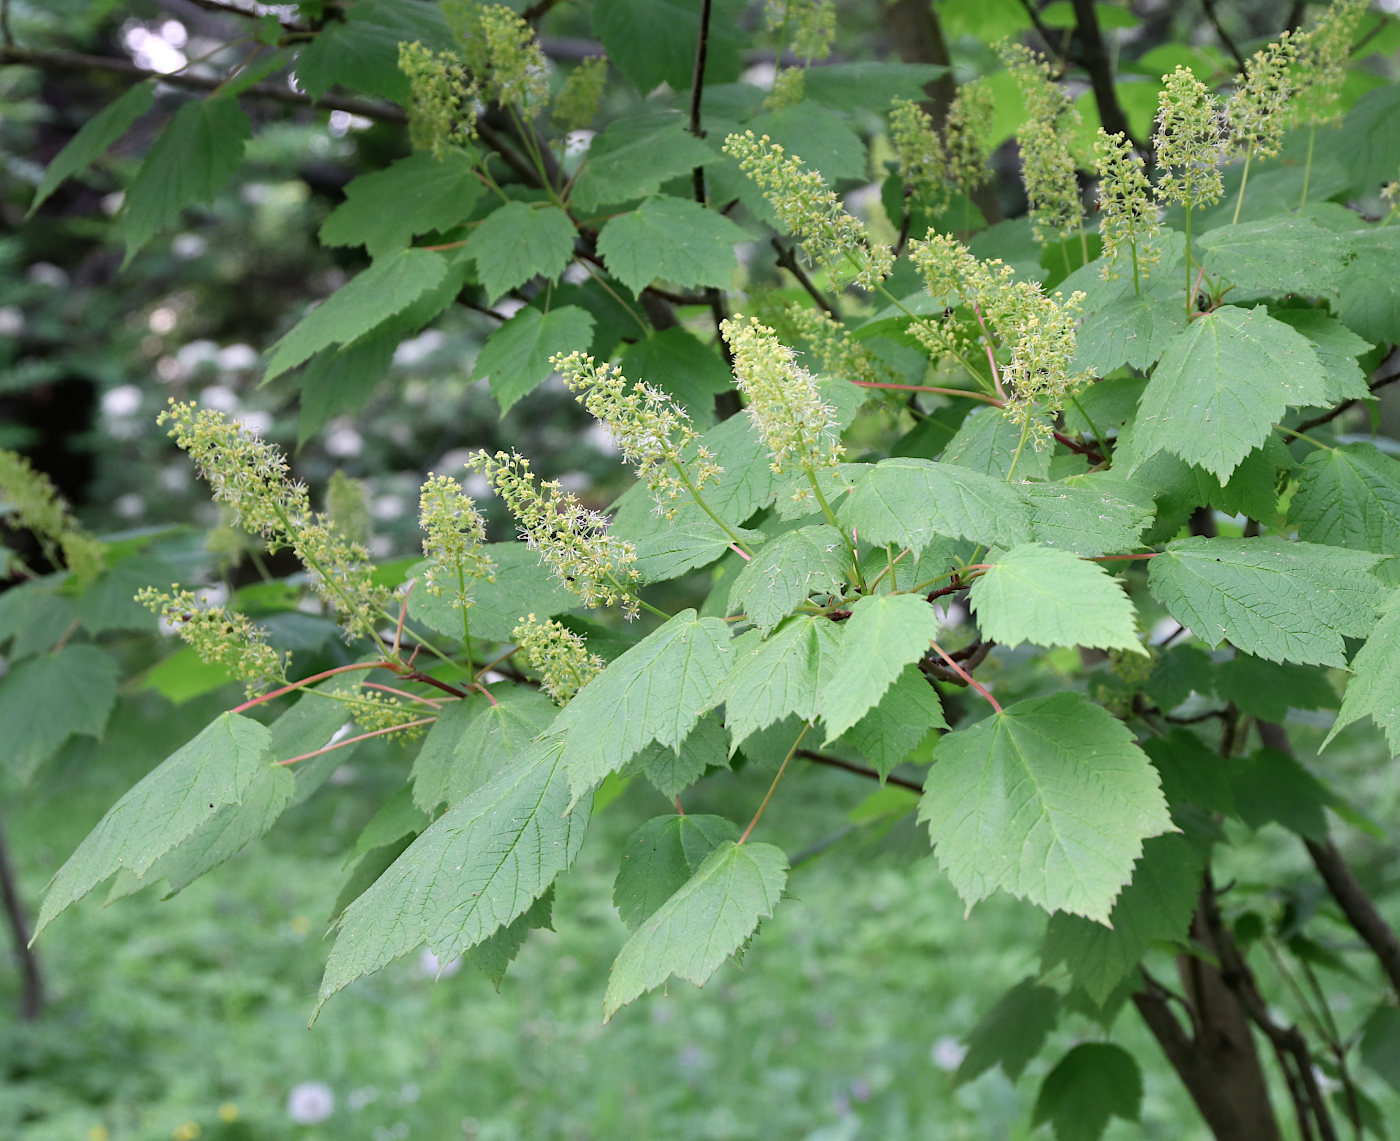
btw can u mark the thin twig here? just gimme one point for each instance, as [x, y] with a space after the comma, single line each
[1375, 385]
[788, 260]
[536, 10]
[1093, 57]
[859, 770]
[31, 999]
[1214, 17]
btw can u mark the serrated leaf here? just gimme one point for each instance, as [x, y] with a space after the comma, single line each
[884, 634]
[1048, 799]
[670, 239]
[1053, 598]
[1349, 496]
[1270, 689]
[473, 740]
[385, 209]
[1191, 773]
[33, 617]
[47, 699]
[660, 856]
[92, 141]
[1011, 1033]
[516, 356]
[672, 771]
[494, 955]
[1337, 349]
[165, 807]
[909, 501]
[908, 712]
[786, 674]
[680, 363]
[195, 155]
[1155, 907]
[709, 918]
[1277, 600]
[1222, 384]
[397, 817]
[516, 242]
[1284, 253]
[1269, 787]
[1135, 330]
[523, 586]
[868, 84]
[653, 41]
[476, 868]
[656, 691]
[989, 443]
[1374, 690]
[785, 572]
[684, 545]
[1094, 1082]
[361, 50]
[634, 157]
[1368, 298]
[388, 287]
[1083, 515]
[821, 137]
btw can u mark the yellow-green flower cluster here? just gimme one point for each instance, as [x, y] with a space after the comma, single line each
[577, 103]
[1047, 165]
[840, 354]
[250, 477]
[1128, 219]
[811, 22]
[1324, 56]
[453, 533]
[502, 52]
[788, 87]
[31, 496]
[1038, 331]
[1257, 112]
[923, 166]
[220, 637]
[967, 136]
[782, 398]
[375, 711]
[558, 655]
[572, 540]
[831, 237]
[650, 428]
[442, 113]
[1187, 141]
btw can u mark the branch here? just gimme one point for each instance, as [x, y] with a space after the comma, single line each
[1214, 17]
[1378, 383]
[221, 7]
[536, 10]
[1046, 34]
[859, 770]
[1093, 57]
[788, 260]
[31, 999]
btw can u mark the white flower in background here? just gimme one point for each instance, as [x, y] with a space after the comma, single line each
[310, 1103]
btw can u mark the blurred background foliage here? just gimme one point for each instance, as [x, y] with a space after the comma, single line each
[187, 1018]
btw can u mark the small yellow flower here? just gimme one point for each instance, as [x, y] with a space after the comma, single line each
[187, 1131]
[228, 1113]
[98, 1133]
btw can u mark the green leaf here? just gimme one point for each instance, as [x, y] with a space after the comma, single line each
[398, 817]
[195, 155]
[473, 740]
[1134, 330]
[1048, 799]
[683, 544]
[1191, 773]
[385, 209]
[660, 857]
[1337, 349]
[1277, 600]
[908, 712]
[1094, 1082]
[786, 674]
[680, 363]
[476, 868]
[989, 443]
[656, 691]
[1269, 787]
[1053, 598]
[165, 807]
[672, 771]
[35, 615]
[1222, 384]
[909, 501]
[708, 918]
[1349, 496]
[523, 586]
[110, 603]
[1011, 1033]
[516, 242]
[670, 239]
[516, 356]
[1182, 670]
[387, 287]
[1270, 689]
[1372, 691]
[634, 157]
[822, 138]
[868, 85]
[1083, 515]
[45, 700]
[1155, 908]
[653, 41]
[92, 141]
[183, 676]
[361, 50]
[1368, 299]
[1284, 253]
[785, 572]
[884, 634]
[1380, 1043]
[494, 955]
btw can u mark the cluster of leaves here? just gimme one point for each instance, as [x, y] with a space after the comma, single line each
[1003, 440]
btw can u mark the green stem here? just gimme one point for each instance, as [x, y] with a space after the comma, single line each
[774, 786]
[1307, 166]
[1098, 436]
[1244, 181]
[1020, 447]
[1304, 436]
[1190, 299]
[857, 579]
[705, 507]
